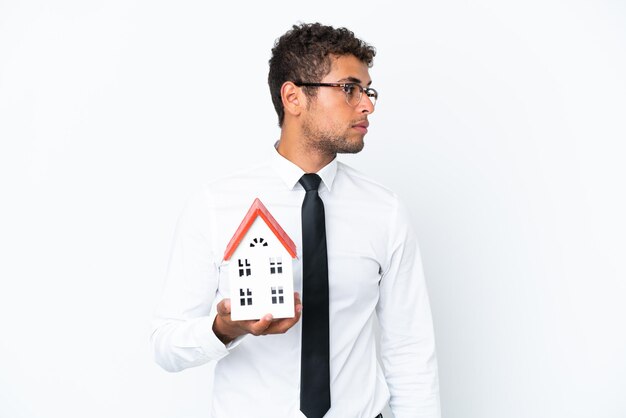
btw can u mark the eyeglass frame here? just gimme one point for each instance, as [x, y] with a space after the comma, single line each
[343, 86]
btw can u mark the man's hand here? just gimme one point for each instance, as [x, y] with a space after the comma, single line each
[227, 330]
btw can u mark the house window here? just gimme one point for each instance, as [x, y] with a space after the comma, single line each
[277, 295]
[258, 241]
[244, 267]
[245, 298]
[276, 265]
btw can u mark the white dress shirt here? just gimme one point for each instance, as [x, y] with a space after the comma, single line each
[374, 271]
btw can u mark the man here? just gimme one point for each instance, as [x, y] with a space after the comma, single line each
[370, 264]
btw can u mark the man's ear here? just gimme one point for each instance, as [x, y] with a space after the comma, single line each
[293, 98]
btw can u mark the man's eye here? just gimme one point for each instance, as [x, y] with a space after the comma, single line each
[349, 88]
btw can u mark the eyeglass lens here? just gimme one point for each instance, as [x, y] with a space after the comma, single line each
[354, 93]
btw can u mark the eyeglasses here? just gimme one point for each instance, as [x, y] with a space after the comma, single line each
[353, 91]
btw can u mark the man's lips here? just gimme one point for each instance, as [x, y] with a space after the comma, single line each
[361, 126]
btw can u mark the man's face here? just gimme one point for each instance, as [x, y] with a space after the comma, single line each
[330, 125]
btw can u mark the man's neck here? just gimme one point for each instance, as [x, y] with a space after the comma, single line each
[309, 160]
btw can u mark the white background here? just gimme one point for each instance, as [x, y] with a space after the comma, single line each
[500, 123]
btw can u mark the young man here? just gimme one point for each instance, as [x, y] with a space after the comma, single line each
[360, 263]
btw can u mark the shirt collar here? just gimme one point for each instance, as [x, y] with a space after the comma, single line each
[291, 173]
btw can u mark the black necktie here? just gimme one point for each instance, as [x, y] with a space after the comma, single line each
[315, 369]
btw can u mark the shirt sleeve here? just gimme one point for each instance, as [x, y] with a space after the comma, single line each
[407, 339]
[182, 332]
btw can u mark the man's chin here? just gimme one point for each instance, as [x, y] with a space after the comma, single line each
[351, 148]
[339, 145]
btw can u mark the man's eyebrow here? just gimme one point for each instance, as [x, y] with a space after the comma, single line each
[352, 80]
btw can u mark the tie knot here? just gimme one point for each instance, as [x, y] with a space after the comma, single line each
[310, 181]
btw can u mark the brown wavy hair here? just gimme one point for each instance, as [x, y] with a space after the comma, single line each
[303, 54]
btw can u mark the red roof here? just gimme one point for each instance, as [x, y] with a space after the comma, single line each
[259, 209]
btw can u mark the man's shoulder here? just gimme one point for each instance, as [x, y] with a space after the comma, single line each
[237, 177]
[226, 188]
[363, 183]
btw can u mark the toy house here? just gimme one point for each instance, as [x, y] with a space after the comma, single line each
[260, 267]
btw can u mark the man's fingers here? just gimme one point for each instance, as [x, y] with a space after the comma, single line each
[223, 308]
[297, 304]
[282, 326]
[260, 327]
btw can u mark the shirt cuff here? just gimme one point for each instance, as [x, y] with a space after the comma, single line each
[208, 341]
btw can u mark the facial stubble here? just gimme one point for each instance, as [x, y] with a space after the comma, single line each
[328, 142]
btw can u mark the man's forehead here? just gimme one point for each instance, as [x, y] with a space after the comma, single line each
[349, 69]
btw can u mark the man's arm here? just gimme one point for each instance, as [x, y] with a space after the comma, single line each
[182, 333]
[189, 327]
[407, 337]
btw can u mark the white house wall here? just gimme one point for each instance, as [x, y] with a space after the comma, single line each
[261, 282]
